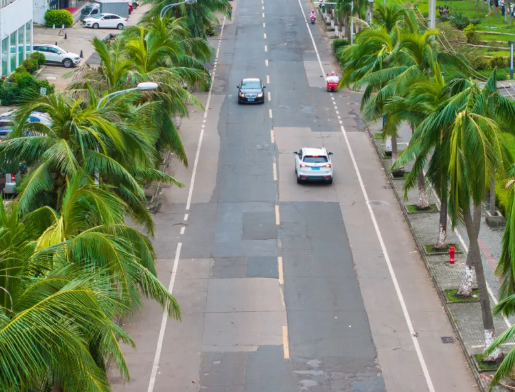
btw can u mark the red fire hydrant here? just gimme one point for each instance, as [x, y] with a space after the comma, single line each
[451, 254]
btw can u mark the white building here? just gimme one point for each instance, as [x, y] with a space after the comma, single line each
[16, 32]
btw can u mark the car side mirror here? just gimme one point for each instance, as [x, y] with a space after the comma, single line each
[238, 86]
[295, 153]
[264, 86]
[330, 153]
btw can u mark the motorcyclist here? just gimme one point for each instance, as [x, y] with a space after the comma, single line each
[312, 14]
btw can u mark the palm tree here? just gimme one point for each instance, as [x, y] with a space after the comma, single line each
[200, 16]
[81, 137]
[50, 317]
[476, 149]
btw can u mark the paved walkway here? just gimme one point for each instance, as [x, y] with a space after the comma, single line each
[467, 316]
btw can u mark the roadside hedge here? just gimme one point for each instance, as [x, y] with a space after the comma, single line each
[58, 18]
[21, 85]
[338, 43]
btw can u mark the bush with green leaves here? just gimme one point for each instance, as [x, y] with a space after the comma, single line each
[38, 58]
[20, 86]
[498, 62]
[58, 18]
[460, 21]
[338, 43]
[472, 37]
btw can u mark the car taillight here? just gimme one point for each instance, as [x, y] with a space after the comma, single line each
[302, 165]
[13, 177]
[328, 165]
[126, 20]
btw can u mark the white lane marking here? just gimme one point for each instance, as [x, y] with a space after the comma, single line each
[182, 229]
[270, 113]
[269, 96]
[267, 79]
[337, 112]
[339, 118]
[280, 269]
[263, 14]
[264, 24]
[195, 165]
[405, 312]
[186, 217]
[264, 35]
[266, 48]
[274, 168]
[164, 320]
[277, 216]
[266, 62]
[272, 138]
[286, 344]
[263, 7]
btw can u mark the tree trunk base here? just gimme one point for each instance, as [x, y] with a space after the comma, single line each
[399, 172]
[465, 289]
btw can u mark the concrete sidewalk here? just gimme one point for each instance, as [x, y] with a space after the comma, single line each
[78, 38]
[465, 316]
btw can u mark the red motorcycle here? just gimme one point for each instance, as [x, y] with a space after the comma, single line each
[313, 18]
[332, 82]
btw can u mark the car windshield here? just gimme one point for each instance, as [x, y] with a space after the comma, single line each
[86, 10]
[251, 84]
[315, 159]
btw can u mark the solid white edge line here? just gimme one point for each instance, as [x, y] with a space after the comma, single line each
[270, 113]
[164, 320]
[405, 312]
[197, 155]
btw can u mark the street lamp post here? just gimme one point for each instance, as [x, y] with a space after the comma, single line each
[145, 86]
[166, 8]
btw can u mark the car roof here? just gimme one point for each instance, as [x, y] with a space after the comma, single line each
[251, 80]
[52, 45]
[314, 151]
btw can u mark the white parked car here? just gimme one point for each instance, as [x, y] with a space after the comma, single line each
[56, 55]
[313, 164]
[105, 21]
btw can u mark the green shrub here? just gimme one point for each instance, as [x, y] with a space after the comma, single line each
[30, 65]
[472, 36]
[498, 62]
[338, 43]
[460, 21]
[475, 21]
[21, 86]
[38, 58]
[58, 18]
[210, 30]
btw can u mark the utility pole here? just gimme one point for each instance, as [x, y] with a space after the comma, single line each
[432, 14]
[371, 10]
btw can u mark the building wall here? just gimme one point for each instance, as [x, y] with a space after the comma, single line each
[16, 33]
[40, 7]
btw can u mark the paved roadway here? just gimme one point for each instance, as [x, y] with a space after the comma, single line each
[286, 287]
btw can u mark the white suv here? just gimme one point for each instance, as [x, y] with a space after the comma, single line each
[313, 164]
[56, 55]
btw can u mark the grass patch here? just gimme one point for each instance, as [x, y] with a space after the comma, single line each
[412, 209]
[430, 250]
[485, 366]
[378, 136]
[451, 296]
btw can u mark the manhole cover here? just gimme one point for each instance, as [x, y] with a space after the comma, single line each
[447, 339]
[378, 202]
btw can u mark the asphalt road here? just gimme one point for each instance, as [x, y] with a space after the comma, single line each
[286, 287]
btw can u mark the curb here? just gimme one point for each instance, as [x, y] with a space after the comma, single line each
[421, 249]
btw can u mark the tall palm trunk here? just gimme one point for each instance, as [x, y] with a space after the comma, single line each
[472, 225]
[423, 202]
[492, 196]
[347, 27]
[441, 243]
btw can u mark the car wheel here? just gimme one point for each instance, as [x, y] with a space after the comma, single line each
[120, 26]
[330, 181]
[67, 63]
[299, 181]
[95, 26]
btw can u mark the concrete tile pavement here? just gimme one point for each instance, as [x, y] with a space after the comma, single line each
[78, 38]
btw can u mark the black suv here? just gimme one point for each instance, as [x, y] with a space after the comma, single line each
[251, 90]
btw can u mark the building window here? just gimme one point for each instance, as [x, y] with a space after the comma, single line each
[21, 44]
[12, 50]
[28, 38]
[5, 56]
